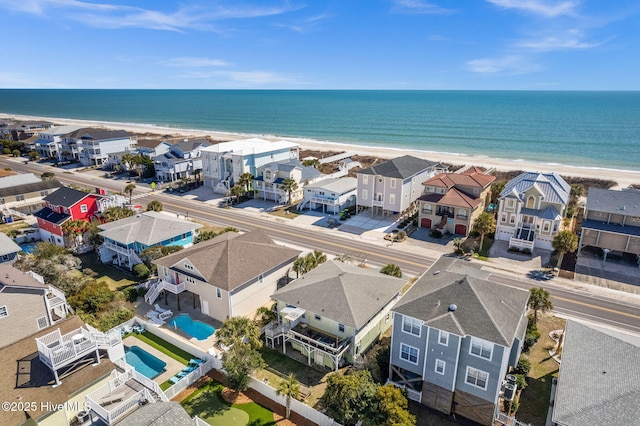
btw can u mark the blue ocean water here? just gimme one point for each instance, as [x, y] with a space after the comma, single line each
[596, 129]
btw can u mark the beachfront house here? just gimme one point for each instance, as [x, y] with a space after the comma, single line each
[455, 335]
[612, 223]
[330, 195]
[126, 238]
[62, 205]
[597, 383]
[223, 163]
[268, 183]
[8, 249]
[23, 194]
[92, 146]
[182, 161]
[393, 186]
[227, 276]
[27, 304]
[152, 147]
[333, 313]
[14, 130]
[531, 209]
[49, 141]
[452, 201]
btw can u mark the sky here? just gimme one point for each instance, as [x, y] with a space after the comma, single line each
[321, 44]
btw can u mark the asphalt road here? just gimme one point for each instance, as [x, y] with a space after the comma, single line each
[567, 301]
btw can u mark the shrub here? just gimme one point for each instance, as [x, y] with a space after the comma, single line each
[141, 270]
[523, 367]
[89, 272]
[112, 319]
[382, 359]
[526, 250]
[402, 235]
[435, 234]
[130, 294]
[511, 406]
[521, 381]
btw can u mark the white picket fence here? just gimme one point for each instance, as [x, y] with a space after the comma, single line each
[190, 378]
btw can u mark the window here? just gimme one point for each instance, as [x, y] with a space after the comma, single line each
[409, 353]
[83, 208]
[440, 364]
[317, 317]
[481, 348]
[462, 213]
[189, 267]
[184, 236]
[503, 219]
[365, 193]
[635, 219]
[261, 278]
[19, 197]
[411, 325]
[512, 219]
[1, 200]
[5, 257]
[191, 280]
[392, 198]
[511, 203]
[545, 226]
[393, 183]
[218, 293]
[477, 378]
[531, 202]
[3, 311]
[42, 323]
[427, 208]
[365, 179]
[443, 339]
[341, 328]
[44, 193]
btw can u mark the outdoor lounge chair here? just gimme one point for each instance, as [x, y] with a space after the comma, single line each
[160, 309]
[156, 322]
[188, 370]
[152, 314]
[165, 315]
[125, 330]
[138, 328]
[175, 379]
[195, 361]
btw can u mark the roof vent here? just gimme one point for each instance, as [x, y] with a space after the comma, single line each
[436, 272]
[453, 307]
[438, 304]
[621, 206]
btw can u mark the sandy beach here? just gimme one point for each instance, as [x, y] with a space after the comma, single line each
[624, 178]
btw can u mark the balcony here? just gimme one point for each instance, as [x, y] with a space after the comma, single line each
[377, 202]
[445, 212]
[329, 201]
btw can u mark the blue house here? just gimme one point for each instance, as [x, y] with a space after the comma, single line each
[455, 336]
[125, 239]
[8, 249]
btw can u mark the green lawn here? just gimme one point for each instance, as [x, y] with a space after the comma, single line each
[208, 404]
[534, 399]
[165, 347]
[114, 277]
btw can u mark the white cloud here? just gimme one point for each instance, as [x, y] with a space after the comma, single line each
[111, 16]
[196, 62]
[307, 24]
[510, 65]
[243, 78]
[418, 7]
[547, 8]
[571, 39]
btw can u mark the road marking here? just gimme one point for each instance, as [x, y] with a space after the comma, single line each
[596, 307]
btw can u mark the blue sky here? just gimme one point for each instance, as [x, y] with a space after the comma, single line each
[313, 44]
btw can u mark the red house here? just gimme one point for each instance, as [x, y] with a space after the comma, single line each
[62, 205]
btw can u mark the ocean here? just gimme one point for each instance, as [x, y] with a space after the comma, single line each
[580, 128]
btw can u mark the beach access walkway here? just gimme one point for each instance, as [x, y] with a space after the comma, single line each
[337, 157]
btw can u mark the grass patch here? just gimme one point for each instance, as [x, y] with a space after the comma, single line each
[6, 227]
[114, 277]
[165, 385]
[165, 347]
[534, 399]
[208, 404]
[285, 212]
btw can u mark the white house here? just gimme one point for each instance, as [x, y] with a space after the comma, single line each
[48, 143]
[331, 195]
[223, 163]
[183, 160]
[270, 178]
[531, 209]
[92, 146]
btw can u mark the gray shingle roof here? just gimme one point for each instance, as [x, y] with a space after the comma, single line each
[230, 260]
[555, 189]
[484, 309]
[148, 228]
[97, 134]
[50, 216]
[30, 187]
[19, 179]
[191, 144]
[7, 245]
[344, 293]
[337, 185]
[400, 167]
[626, 202]
[598, 382]
[65, 196]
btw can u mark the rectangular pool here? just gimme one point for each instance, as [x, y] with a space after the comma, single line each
[143, 362]
[196, 329]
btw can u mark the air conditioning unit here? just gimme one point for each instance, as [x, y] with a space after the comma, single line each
[511, 379]
[83, 416]
[509, 391]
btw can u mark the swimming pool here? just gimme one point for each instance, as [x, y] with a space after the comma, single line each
[28, 247]
[197, 329]
[143, 362]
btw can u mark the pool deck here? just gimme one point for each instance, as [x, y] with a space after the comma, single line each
[186, 307]
[172, 367]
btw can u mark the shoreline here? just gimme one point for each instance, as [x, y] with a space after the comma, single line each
[624, 178]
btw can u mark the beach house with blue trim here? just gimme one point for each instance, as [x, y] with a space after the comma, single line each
[455, 336]
[126, 238]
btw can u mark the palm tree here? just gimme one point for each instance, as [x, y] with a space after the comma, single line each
[128, 160]
[245, 180]
[47, 176]
[316, 258]
[196, 176]
[155, 206]
[299, 266]
[265, 315]
[496, 189]
[392, 270]
[74, 228]
[484, 224]
[115, 213]
[129, 190]
[565, 242]
[289, 185]
[290, 388]
[239, 331]
[236, 192]
[539, 300]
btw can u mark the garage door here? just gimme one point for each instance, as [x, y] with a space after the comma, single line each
[425, 223]
[461, 229]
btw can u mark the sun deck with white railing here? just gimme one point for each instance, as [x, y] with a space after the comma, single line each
[160, 285]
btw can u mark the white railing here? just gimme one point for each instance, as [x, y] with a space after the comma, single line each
[509, 421]
[521, 244]
[153, 293]
[326, 200]
[119, 249]
[155, 289]
[56, 350]
[189, 379]
[199, 422]
[414, 395]
[150, 384]
[377, 203]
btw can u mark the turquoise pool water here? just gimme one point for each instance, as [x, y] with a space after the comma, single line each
[144, 363]
[28, 247]
[197, 329]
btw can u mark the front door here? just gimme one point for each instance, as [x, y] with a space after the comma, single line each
[425, 222]
[461, 229]
[204, 306]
